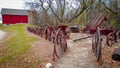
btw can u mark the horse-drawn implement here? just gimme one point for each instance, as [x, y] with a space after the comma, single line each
[57, 35]
[112, 37]
[94, 29]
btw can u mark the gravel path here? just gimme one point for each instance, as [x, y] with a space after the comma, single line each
[79, 54]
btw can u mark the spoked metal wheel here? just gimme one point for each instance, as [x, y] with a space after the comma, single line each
[93, 45]
[62, 40]
[60, 44]
[53, 36]
[110, 42]
[110, 39]
[98, 44]
[47, 34]
[41, 32]
[98, 54]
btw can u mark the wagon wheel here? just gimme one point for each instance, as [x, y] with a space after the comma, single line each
[61, 39]
[93, 45]
[98, 55]
[41, 32]
[110, 39]
[53, 36]
[118, 35]
[45, 33]
[98, 44]
[49, 34]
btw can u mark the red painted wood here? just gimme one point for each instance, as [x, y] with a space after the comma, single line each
[13, 19]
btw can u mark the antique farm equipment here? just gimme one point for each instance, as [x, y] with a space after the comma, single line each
[94, 23]
[96, 44]
[113, 37]
[94, 28]
[57, 35]
[36, 30]
[97, 22]
[116, 54]
[42, 31]
[48, 31]
[74, 29]
[60, 39]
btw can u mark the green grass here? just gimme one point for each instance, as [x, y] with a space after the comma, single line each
[0, 24]
[18, 44]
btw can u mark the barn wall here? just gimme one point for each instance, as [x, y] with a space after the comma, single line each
[13, 19]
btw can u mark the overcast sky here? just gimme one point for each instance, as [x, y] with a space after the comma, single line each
[15, 4]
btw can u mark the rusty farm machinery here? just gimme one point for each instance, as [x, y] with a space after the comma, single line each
[57, 35]
[94, 28]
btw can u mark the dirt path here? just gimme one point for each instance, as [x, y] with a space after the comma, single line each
[2, 35]
[79, 54]
[43, 49]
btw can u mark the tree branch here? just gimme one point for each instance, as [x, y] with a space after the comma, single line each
[108, 8]
[53, 11]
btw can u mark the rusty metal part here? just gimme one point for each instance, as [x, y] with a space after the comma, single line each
[98, 52]
[96, 44]
[93, 45]
[60, 39]
[57, 35]
[82, 38]
[112, 37]
[74, 29]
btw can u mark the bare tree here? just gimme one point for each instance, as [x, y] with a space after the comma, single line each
[63, 10]
[112, 11]
[77, 6]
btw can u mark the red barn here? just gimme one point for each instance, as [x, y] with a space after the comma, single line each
[13, 16]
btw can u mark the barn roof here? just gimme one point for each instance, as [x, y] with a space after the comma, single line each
[14, 11]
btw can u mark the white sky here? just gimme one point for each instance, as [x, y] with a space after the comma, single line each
[15, 4]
